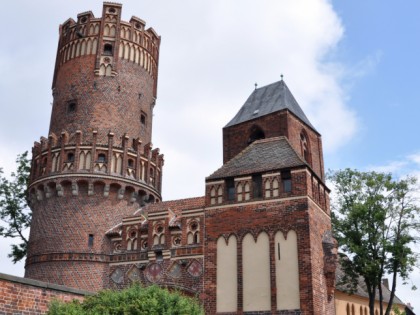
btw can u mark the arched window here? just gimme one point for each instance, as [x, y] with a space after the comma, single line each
[304, 145]
[196, 238]
[256, 133]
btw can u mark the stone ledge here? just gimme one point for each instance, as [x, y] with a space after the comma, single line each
[44, 285]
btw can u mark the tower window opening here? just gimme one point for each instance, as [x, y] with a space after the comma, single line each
[101, 158]
[70, 157]
[90, 240]
[107, 49]
[257, 186]
[143, 119]
[130, 163]
[286, 178]
[256, 134]
[196, 238]
[71, 107]
[159, 255]
[305, 147]
[230, 189]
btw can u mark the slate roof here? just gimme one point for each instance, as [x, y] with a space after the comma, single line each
[261, 156]
[176, 205]
[361, 288]
[269, 99]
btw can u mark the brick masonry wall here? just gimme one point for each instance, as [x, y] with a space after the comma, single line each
[103, 103]
[299, 214]
[282, 123]
[26, 296]
[60, 230]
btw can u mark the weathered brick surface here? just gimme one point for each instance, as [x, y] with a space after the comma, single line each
[61, 226]
[282, 123]
[103, 103]
[308, 218]
[172, 244]
[100, 112]
[29, 297]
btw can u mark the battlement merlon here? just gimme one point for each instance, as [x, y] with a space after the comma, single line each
[123, 40]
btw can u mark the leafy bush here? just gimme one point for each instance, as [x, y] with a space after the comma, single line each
[132, 301]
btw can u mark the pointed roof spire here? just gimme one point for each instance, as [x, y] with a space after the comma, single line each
[269, 99]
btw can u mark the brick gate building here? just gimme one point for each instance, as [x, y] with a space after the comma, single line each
[258, 241]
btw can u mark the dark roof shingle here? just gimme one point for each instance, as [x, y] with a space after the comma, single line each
[269, 99]
[261, 156]
[361, 289]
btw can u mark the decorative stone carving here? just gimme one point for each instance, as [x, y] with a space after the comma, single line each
[117, 276]
[134, 274]
[154, 272]
[195, 269]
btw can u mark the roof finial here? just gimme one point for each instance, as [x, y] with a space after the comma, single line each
[256, 85]
[281, 76]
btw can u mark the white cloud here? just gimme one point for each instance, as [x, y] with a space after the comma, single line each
[390, 167]
[367, 65]
[415, 158]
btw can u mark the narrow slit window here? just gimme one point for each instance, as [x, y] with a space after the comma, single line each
[130, 163]
[70, 157]
[143, 119]
[257, 186]
[286, 178]
[230, 189]
[90, 240]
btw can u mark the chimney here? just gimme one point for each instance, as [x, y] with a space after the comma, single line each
[385, 282]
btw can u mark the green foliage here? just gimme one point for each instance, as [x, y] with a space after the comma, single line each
[375, 221]
[134, 300]
[14, 210]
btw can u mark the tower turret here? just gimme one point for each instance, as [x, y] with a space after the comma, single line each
[98, 163]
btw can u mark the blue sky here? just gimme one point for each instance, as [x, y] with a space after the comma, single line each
[352, 66]
[380, 37]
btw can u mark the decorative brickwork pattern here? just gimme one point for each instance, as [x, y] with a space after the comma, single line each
[98, 216]
[98, 164]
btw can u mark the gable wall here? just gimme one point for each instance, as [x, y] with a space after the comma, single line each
[235, 138]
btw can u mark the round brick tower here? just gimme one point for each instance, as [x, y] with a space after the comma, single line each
[97, 164]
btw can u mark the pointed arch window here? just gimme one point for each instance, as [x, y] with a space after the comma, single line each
[304, 146]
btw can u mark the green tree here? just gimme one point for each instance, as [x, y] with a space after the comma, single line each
[151, 300]
[375, 221]
[14, 211]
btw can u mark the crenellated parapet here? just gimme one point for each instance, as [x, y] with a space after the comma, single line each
[110, 40]
[79, 155]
